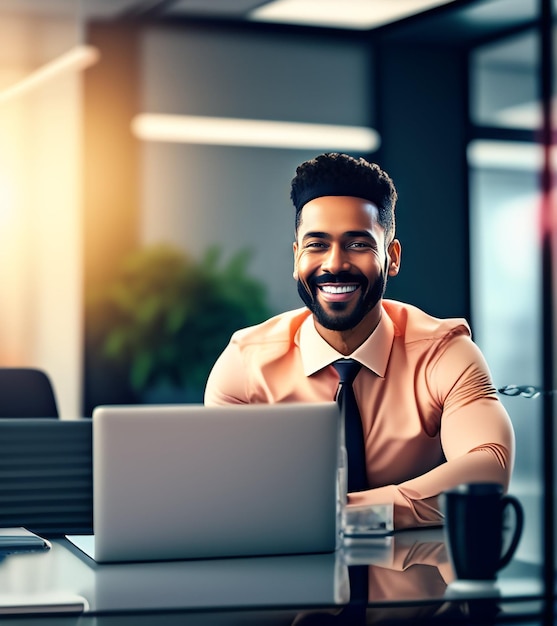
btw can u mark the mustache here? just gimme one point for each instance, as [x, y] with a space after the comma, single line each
[342, 277]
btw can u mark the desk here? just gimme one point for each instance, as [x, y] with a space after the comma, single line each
[409, 579]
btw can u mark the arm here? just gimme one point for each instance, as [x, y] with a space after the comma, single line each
[475, 432]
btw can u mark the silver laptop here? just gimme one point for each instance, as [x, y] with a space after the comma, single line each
[189, 481]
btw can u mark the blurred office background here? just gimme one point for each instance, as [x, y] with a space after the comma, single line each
[122, 178]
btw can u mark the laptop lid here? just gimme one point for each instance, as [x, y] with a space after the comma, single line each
[189, 481]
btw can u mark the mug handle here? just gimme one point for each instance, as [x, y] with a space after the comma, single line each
[512, 501]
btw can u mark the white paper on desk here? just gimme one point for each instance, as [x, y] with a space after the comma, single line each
[19, 538]
[45, 602]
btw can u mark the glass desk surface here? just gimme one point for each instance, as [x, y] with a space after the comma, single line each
[406, 576]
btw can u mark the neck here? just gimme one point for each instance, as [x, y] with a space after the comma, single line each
[346, 341]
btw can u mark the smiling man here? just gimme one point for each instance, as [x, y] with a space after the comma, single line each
[430, 416]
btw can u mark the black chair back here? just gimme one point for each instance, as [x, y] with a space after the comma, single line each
[26, 392]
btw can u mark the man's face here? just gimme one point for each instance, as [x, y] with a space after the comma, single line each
[340, 260]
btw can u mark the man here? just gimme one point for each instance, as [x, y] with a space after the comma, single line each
[430, 416]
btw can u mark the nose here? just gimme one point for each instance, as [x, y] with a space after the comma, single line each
[335, 260]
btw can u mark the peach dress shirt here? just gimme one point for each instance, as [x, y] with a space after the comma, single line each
[431, 416]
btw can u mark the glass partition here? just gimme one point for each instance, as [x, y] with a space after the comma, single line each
[506, 160]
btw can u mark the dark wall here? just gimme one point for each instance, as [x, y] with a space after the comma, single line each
[111, 191]
[422, 117]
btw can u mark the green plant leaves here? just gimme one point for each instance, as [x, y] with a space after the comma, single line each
[166, 317]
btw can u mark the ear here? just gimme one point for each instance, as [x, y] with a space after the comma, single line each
[295, 250]
[394, 253]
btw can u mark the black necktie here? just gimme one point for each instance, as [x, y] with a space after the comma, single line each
[353, 435]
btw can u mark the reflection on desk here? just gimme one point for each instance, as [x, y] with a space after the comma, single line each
[407, 578]
[410, 578]
[413, 565]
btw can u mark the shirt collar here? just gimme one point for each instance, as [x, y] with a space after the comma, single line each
[373, 353]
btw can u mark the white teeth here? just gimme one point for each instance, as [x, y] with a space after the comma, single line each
[338, 288]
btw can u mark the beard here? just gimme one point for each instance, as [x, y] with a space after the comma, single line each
[338, 319]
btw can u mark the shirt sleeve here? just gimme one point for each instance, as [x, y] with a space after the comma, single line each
[476, 436]
[227, 381]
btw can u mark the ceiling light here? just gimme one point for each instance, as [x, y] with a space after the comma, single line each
[528, 115]
[505, 155]
[253, 133]
[75, 60]
[357, 14]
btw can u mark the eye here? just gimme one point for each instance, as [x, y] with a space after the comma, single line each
[360, 245]
[316, 245]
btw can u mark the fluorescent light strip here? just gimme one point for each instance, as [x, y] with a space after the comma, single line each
[253, 133]
[508, 155]
[356, 14]
[527, 115]
[75, 60]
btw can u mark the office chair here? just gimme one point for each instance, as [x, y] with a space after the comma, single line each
[26, 392]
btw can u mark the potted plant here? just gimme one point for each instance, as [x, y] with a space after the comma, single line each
[166, 317]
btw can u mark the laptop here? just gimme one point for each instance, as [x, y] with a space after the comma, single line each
[190, 481]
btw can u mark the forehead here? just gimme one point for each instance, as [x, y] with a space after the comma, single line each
[338, 214]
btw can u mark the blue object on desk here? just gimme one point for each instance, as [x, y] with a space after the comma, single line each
[15, 539]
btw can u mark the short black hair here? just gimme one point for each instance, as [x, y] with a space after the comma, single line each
[336, 174]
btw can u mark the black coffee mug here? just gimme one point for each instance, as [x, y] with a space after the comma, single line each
[474, 519]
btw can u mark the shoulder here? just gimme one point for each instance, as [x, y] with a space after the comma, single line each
[278, 330]
[454, 369]
[411, 324]
[238, 370]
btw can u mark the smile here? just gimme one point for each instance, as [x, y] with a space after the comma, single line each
[335, 289]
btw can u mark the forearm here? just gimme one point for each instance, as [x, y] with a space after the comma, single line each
[416, 501]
